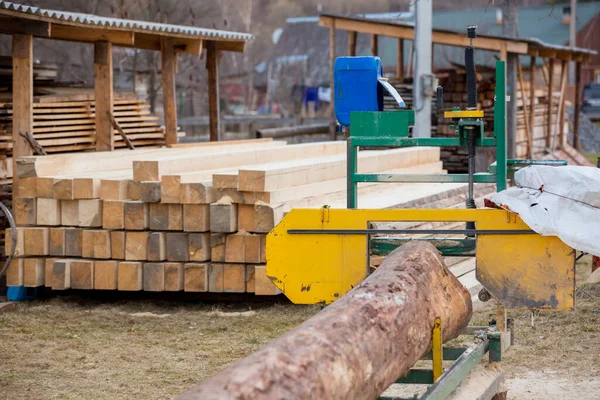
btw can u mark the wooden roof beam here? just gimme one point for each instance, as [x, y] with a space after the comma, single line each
[13, 26]
[188, 46]
[547, 53]
[181, 45]
[236, 46]
[368, 27]
[73, 33]
[564, 55]
[407, 32]
[584, 58]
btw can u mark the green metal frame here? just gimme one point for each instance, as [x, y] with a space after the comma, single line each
[390, 129]
[449, 247]
[515, 165]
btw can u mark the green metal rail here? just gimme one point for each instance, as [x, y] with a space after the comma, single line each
[488, 342]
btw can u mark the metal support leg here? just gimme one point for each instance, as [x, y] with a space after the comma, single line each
[437, 349]
[502, 327]
[471, 160]
[352, 155]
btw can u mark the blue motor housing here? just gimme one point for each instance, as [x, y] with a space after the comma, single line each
[356, 86]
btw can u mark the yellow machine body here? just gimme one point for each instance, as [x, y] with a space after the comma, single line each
[520, 270]
[463, 114]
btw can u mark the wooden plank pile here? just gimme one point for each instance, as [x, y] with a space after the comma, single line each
[191, 218]
[404, 87]
[454, 83]
[455, 95]
[69, 126]
[539, 130]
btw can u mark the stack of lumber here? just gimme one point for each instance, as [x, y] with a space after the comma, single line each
[404, 88]
[455, 95]
[191, 218]
[69, 126]
[454, 83]
[43, 73]
[539, 131]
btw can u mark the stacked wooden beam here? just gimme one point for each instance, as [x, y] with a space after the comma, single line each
[404, 87]
[44, 74]
[70, 125]
[454, 84]
[192, 218]
[539, 130]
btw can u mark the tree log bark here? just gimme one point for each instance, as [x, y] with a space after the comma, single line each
[358, 346]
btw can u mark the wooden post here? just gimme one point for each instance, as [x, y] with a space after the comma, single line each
[411, 54]
[22, 53]
[560, 129]
[528, 129]
[374, 45]
[103, 95]
[351, 43]
[595, 259]
[503, 53]
[549, 105]
[400, 59]
[333, 123]
[545, 71]
[214, 115]
[532, 96]
[577, 105]
[167, 54]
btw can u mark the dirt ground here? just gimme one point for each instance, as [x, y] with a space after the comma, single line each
[79, 348]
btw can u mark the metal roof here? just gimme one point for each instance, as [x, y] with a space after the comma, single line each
[67, 18]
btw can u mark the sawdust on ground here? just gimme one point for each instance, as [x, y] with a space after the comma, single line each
[73, 347]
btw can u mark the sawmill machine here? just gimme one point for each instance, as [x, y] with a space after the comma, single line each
[315, 256]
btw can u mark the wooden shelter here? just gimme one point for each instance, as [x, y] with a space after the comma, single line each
[25, 23]
[503, 45]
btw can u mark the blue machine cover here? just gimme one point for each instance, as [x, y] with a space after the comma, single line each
[358, 86]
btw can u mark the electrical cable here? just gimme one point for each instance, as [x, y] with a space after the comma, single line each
[416, 68]
[13, 231]
[541, 190]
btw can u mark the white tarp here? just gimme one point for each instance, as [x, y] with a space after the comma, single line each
[558, 201]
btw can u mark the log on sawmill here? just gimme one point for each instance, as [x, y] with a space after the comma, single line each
[359, 345]
[291, 131]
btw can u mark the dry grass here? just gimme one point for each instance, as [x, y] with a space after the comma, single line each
[69, 349]
[73, 348]
[568, 342]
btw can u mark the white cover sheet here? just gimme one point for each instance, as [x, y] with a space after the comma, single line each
[558, 201]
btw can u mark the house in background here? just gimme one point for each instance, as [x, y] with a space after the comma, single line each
[300, 58]
[589, 36]
[548, 23]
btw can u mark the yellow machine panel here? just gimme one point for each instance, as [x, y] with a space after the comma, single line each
[532, 272]
[463, 114]
[312, 269]
[522, 270]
